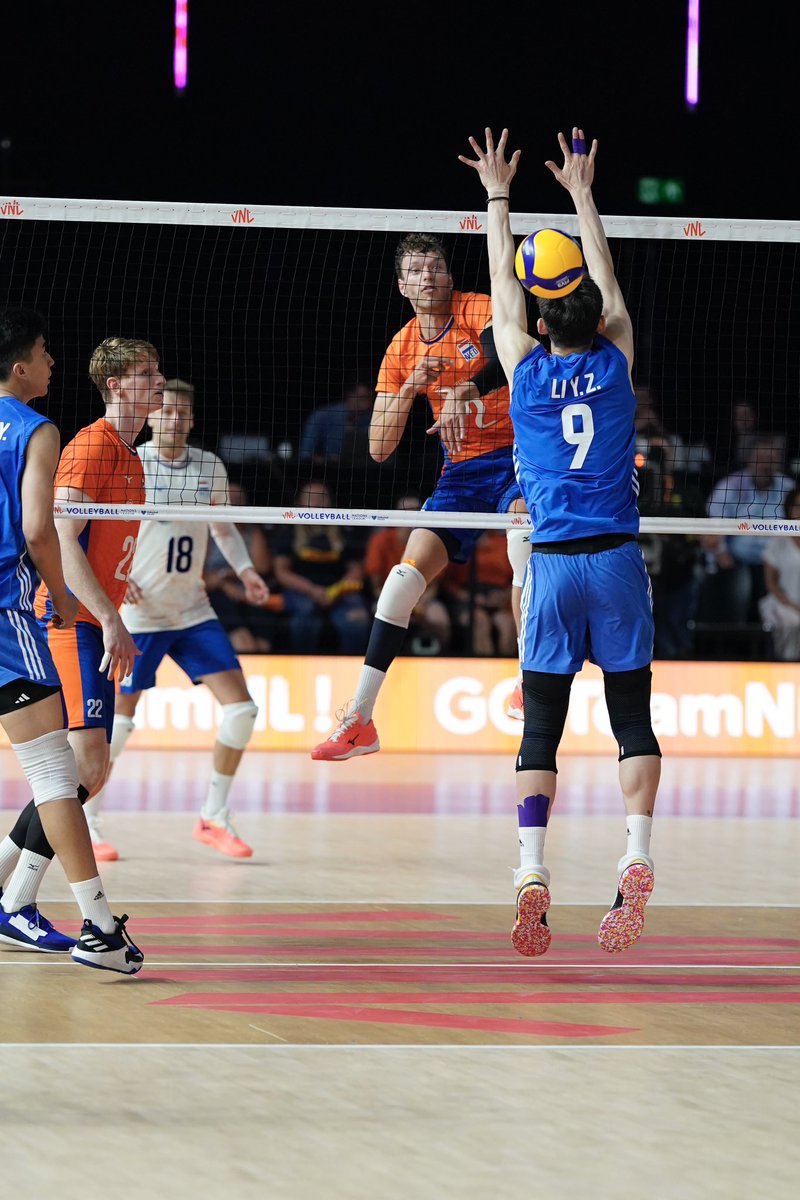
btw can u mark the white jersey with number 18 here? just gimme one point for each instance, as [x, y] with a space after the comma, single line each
[169, 559]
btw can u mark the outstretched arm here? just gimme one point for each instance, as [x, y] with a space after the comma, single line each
[509, 314]
[577, 175]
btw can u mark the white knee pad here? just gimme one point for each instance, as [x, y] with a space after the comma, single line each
[49, 766]
[400, 594]
[237, 724]
[518, 547]
[122, 729]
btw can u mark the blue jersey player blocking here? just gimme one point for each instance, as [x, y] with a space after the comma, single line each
[32, 709]
[586, 592]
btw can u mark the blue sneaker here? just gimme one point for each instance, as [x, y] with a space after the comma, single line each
[29, 930]
[107, 951]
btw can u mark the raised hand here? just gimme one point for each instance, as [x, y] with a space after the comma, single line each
[578, 169]
[496, 174]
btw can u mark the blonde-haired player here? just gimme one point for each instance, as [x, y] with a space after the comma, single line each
[168, 611]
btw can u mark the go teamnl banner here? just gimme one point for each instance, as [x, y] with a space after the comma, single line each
[458, 705]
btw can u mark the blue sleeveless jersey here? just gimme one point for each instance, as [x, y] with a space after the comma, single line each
[574, 442]
[18, 577]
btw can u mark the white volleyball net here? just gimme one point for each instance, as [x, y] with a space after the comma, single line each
[275, 315]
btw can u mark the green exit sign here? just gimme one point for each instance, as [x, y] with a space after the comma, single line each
[652, 190]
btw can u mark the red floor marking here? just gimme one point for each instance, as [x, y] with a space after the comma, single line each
[314, 999]
[490, 975]
[356, 935]
[385, 1016]
[220, 921]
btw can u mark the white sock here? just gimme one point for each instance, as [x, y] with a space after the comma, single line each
[91, 898]
[369, 684]
[23, 886]
[639, 829]
[216, 800]
[531, 847]
[9, 857]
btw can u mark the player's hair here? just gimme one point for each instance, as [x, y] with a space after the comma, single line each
[572, 321]
[19, 330]
[180, 387]
[418, 243]
[114, 357]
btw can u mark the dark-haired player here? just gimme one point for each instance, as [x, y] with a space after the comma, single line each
[586, 592]
[32, 709]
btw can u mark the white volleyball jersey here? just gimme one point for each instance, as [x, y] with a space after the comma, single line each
[169, 558]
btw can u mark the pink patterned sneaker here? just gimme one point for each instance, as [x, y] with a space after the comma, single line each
[530, 935]
[352, 737]
[516, 707]
[623, 924]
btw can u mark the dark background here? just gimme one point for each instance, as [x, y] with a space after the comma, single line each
[369, 107]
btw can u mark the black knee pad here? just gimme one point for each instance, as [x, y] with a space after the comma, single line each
[628, 704]
[546, 705]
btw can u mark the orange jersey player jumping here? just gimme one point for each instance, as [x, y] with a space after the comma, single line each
[456, 356]
[99, 466]
[446, 353]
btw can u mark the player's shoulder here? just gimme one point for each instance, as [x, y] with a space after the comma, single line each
[93, 439]
[206, 459]
[477, 306]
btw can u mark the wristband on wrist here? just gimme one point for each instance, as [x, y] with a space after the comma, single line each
[491, 198]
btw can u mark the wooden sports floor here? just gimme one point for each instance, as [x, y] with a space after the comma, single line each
[343, 1016]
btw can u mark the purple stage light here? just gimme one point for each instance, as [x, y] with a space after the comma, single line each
[180, 62]
[692, 47]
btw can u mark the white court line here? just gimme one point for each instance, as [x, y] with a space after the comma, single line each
[445, 902]
[421, 966]
[422, 1047]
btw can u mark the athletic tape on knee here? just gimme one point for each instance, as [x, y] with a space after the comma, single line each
[400, 595]
[122, 729]
[237, 725]
[518, 547]
[49, 766]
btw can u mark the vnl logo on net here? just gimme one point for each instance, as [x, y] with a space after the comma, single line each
[770, 526]
[11, 208]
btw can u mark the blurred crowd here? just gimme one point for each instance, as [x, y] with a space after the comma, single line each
[714, 597]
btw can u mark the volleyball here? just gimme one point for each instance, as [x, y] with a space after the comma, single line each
[549, 263]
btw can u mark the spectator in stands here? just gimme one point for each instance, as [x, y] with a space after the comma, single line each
[743, 429]
[756, 491]
[430, 627]
[686, 459]
[674, 561]
[780, 607]
[479, 594]
[321, 577]
[252, 628]
[651, 432]
[335, 431]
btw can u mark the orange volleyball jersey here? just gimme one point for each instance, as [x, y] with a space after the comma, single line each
[98, 463]
[488, 425]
